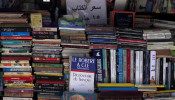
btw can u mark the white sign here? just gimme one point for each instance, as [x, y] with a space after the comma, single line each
[91, 11]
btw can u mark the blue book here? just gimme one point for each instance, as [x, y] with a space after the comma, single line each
[1, 88]
[117, 89]
[16, 69]
[103, 53]
[97, 53]
[120, 54]
[147, 67]
[79, 96]
[15, 33]
[102, 40]
[15, 42]
[82, 74]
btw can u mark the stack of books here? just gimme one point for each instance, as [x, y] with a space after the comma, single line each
[73, 40]
[46, 64]
[130, 39]
[101, 36]
[114, 91]
[158, 39]
[16, 52]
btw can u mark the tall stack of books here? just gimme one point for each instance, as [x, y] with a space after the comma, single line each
[46, 63]
[15, 61]
[73, 40]
[103, 43]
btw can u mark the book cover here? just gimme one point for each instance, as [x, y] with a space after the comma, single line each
[82, 74]
[36, 19]
[79, 96]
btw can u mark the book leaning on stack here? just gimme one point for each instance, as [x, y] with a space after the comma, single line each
[16, 52]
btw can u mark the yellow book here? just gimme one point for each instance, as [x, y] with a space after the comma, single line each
[158, 86]
[17, 75]
[164, 91]
[19, 85]
[115, 85]
[49, 74]
[36, 20]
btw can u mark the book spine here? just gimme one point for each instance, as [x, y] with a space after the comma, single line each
[137, 73]
[172, 86]
[157, 70]
[113, 65]
[108, 65]
[15, 33]
[164, 71]
[128, 65]
[16, 98]
[161, 72]
[132, 66]
[15, 29]
[124, 66]
[17, 69]
[152, 67]
[120, 54]
[97, 53]
[16, 37]
[141, 66]
[144, 67]
[103, 54]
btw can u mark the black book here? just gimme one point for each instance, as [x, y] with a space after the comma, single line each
[144, 67]
[172, 86]
[161, 72]
[48, 77]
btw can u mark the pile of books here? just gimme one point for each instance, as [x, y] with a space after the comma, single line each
[130, 39]
[73, 40]
[46, 64]
[114, 91]
[15, 61]
[101, 36]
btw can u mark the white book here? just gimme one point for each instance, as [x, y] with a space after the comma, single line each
[17, 73]
[15, 98]
[137, 73]
[15, 67]
[113, 65]
[132, 67]
[141, 67]
[152, 67]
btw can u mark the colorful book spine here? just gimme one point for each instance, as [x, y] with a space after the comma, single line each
[120, 54]
[103, 54]
[15, 33]
[129, 66]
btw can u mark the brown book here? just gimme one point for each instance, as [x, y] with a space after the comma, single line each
[163, 53]
[45, 29]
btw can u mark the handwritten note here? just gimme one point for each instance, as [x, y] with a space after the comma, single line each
[91, 11]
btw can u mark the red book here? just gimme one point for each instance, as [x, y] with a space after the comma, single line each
[129, 40]
[47, 61]
[102, 47]
[16, 37]
[15, 58]
[50, 82]
[18, 78]
[128, 65]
